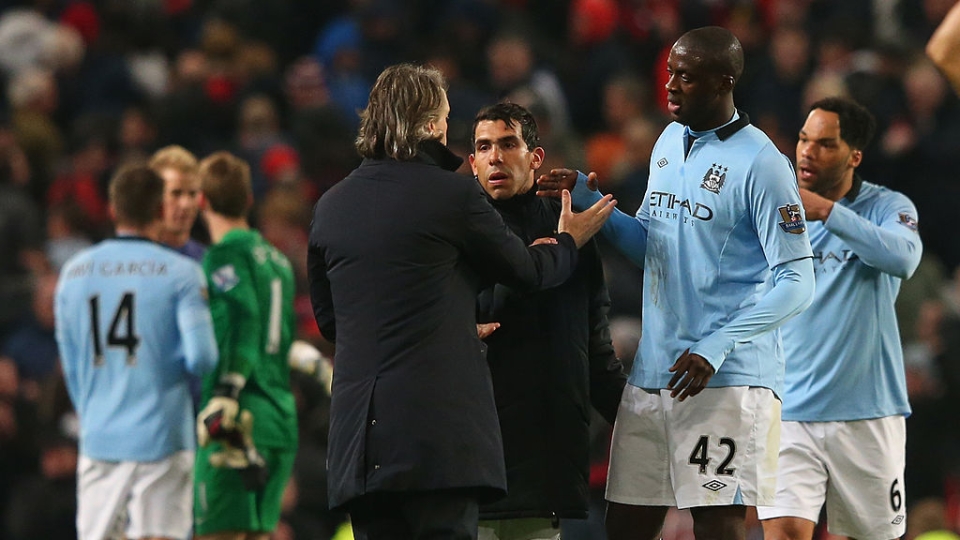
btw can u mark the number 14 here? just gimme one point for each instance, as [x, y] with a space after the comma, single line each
[123, 317]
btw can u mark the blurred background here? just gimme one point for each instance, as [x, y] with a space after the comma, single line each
[86, 86]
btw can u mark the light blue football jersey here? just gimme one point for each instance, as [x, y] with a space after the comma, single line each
[843, 355]
[131, 322]
[713, 224]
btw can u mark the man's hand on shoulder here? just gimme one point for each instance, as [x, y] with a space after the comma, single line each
[555, 181]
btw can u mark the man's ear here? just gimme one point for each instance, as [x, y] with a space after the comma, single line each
[727, 83]
[856, 157]
[538, 156]
[473, 160]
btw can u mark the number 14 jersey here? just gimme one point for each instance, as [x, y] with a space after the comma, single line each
[131, 322]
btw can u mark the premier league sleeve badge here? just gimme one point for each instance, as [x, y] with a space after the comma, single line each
[792, 219]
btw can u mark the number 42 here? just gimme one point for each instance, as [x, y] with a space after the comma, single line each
[699, 455]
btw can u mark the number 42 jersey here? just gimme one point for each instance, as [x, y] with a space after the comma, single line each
[131, 322]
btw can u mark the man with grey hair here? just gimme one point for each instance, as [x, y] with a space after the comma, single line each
[398, 252]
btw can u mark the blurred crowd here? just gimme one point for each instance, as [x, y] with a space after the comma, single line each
[88, 85]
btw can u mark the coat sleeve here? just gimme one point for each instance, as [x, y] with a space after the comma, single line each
[502, 256]
[320, 296]
[607, 377]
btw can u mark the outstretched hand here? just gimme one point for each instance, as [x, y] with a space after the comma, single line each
[557, 180]
[582, 226]
[691, 373]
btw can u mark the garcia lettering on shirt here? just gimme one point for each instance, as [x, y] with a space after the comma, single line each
[144, 268]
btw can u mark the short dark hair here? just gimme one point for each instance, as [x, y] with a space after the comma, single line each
[136, 195]
[720, 49]
[510, 114]
[857, 124]
[225, 182]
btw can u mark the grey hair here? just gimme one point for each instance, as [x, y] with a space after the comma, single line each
[403, 102]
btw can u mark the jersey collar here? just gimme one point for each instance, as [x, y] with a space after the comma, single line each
[855, 188]
[723, 133]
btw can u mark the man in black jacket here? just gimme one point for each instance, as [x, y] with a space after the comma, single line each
[398, 252]
[551, 356]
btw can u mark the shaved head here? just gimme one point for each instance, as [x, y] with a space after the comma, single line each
[717, 49]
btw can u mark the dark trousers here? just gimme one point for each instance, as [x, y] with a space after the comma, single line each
[415, 515]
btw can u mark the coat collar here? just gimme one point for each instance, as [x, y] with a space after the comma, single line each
[516, 202]
[433, 152]
[430, 152]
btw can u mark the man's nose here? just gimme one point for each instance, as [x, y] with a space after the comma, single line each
[671, 83]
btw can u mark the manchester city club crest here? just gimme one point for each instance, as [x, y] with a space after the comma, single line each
[792, 219]
[714, 178]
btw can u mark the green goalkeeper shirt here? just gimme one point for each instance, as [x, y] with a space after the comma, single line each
[251, 299]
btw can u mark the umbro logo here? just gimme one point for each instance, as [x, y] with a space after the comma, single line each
[898, 520]
[714, 485]
[662, 162]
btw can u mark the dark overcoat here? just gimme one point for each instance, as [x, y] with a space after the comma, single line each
[398, 252]
[552, 360]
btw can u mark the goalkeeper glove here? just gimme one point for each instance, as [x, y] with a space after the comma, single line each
[238, 452]
[306, 358]
[220, 413]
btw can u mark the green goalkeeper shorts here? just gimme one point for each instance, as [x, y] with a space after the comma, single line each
[222, 504]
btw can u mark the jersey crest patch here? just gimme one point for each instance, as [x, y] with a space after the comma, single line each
[907, 221]
[225, 278]
[714, 178]
[792, 219]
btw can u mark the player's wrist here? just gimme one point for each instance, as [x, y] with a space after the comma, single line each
[229, 386]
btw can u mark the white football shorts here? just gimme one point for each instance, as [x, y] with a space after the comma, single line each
[855, 468]
[718, 448]
[139, 499]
